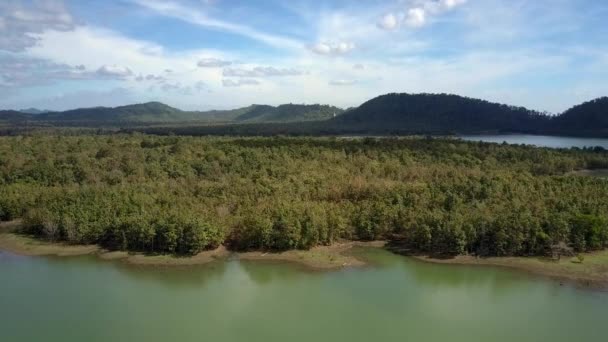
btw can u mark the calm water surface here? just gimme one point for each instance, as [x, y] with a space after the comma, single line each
[84, 299]
[540, 140]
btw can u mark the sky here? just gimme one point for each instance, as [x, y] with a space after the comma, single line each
[547, 55]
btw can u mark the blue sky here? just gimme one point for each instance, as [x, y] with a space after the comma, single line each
[203, 54]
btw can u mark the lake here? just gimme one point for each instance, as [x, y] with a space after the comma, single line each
[397, 299]
[540, 140]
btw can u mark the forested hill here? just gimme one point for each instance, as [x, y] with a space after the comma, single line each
[289, 113]
[589, 118]
[156, 112]
[264, 113]
[438, 113]
[13, 116]
[151, 111]
[386, 114]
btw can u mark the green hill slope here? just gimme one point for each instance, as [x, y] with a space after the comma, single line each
[589, 118]
[437, 113]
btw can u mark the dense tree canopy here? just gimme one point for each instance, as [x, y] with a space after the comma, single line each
[439, 113]
[589, 118]
[185, 194]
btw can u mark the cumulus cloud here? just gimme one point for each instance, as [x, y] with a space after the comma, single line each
[20, 71]
[180, 88]
[332, 49]
[17, 71]
[449, 4]
[416, 17]
[150, 77]
[261, 72]
[358, 66]
[19, 22]
[389, 22]
[342, 82]
[419, 14]
[239, 82]
[114, 71]
[213, 63]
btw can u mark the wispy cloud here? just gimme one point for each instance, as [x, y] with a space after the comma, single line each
[114, 71]
[213, 63]
[261, 72]
[332, 48]
[239, 82]
[342, 82]
[197, 17]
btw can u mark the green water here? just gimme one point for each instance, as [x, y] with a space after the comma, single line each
[84, 299]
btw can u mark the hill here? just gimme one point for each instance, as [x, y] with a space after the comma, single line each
[34, 111]
[156, 112]
[13, 116]
[386, 114]
[589, 118]
[430, 113]
[145, 112]
[289, 113]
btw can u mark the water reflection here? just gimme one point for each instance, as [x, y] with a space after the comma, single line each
[83, 298]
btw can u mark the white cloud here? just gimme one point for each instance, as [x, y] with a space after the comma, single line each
[396, 62]
[340, 48]
[449, 4]
[418, 14]
[175, 10]
[20, 71]
[261, 72]
[389, 22]
[114, 71]
[416, 17]
[19, 21]
[342, 82]
[239, 82]
[213, 63]
[150, 77]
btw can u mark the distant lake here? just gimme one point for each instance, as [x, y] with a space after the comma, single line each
[540, 140]
[398, 299]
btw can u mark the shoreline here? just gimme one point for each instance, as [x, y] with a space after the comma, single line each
[328, 258]
[591, 274]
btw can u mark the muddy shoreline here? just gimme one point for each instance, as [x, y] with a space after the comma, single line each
[331, 257]
[592, 273]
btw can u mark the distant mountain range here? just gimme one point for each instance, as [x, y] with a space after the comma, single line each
[386, 114]
[34, 111]
[156, 112]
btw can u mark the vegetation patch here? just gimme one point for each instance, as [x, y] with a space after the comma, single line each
[187, 195]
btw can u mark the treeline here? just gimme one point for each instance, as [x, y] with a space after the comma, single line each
[182, 195]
